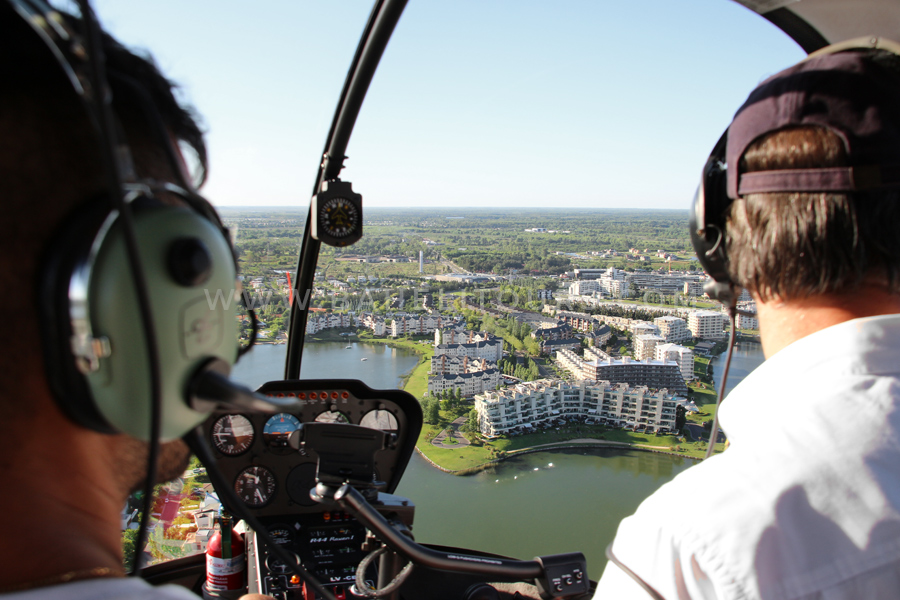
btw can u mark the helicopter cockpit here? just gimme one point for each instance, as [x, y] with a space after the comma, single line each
[312, 466]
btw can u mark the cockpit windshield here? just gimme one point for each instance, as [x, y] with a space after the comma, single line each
[504, 151]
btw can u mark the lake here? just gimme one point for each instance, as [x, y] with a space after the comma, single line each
[523, 507]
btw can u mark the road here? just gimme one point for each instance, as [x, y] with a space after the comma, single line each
[454, 268]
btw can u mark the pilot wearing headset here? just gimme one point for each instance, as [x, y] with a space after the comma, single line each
[64, 483]
[805, 502]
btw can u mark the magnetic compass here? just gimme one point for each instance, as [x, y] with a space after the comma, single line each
[337, 214]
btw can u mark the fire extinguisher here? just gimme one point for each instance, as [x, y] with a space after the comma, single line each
[226, 565]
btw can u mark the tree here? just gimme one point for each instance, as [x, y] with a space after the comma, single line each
[431, 411]
[129, 538]
[680, 417]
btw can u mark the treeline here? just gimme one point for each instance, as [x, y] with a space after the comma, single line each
[489, 260]
[641, 314]
[526, 370]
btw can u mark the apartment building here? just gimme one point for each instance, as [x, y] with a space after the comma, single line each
[597, 365]
[372, 322]
[707, 324]
[672, 329]
[451, 365]
[491, 349]
[745, 322]
[416, 326]
[680, 355]
[543, 403]
[578, 321]
[460, 336]
[318, 322]
[584, 287]
[469, 384]
[645, 345]
[643, 328]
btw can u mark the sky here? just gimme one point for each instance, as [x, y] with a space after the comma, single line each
[476, 103]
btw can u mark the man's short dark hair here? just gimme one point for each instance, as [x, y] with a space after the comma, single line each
[791, 246]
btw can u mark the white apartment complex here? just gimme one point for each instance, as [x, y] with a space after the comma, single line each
[645, 345]
[542, 403]
[317, 322]
[707, 324]
[491, 349]
[672, 329]
[460, 336]
[469, 384]
[597, 365]
[417, 326]
[683, 357]
[451, 365]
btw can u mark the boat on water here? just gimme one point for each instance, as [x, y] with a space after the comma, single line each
[364, 359]
[348, 347]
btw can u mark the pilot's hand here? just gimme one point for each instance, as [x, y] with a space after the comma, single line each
[256, 597]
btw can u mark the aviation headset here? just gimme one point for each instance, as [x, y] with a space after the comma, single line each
[136, 297]
[709, 210]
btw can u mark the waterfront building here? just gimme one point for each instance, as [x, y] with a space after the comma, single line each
[372, 322]
[707, 324]
[491, 349]
[597, 365]
[460, 336]
[645, 345]
[317, 322]
[672, 329]
[745, 322]
[469, 384]
[682, 356]
[451, 365]
[543, 403]
[422, 325]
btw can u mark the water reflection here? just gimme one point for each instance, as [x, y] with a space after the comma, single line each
[525, 508]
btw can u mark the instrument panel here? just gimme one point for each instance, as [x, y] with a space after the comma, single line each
[273, 477]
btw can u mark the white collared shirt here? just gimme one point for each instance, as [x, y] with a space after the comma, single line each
[805, 503]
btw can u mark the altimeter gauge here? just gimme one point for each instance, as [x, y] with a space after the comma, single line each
[232, 434]
[255, 486]
[337, 214]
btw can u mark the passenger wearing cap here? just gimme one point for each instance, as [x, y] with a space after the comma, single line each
[805, 503]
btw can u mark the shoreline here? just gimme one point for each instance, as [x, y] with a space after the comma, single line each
[584, 443]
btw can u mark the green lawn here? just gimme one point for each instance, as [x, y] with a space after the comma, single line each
[461, 459]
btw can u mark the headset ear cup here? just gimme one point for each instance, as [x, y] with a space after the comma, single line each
[194, 321]
[194, 317]
[69, 248]
[707, 222]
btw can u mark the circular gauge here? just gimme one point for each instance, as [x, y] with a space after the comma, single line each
[281, 534]
[278, 431]
[276, 565]
[380, 419]
[299, 481]
[339, 217]
[232, 434]
[255, 486]
[332, 416]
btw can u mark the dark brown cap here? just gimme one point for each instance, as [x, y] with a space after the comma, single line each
[850, 93]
